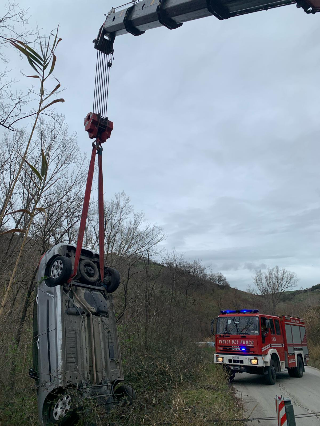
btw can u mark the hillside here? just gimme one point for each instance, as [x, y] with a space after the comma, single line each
[306, 297]
[162, 310]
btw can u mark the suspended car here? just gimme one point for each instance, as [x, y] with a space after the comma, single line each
[76, 351]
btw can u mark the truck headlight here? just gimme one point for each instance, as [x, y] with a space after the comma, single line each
[219, 358]
[254, 361]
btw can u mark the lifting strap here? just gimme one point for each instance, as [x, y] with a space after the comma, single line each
[96, 149]
[101, 214]
[99, 128]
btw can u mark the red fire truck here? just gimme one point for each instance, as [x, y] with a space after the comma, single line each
[247, 341]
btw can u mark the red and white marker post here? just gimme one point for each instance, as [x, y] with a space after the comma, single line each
[285, 412]
[281, 411]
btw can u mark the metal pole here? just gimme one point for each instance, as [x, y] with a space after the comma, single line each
[289, 412]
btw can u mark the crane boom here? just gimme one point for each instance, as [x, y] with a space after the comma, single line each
[147, 14]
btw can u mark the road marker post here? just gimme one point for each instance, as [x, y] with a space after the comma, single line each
[285, 412]
[289, 412]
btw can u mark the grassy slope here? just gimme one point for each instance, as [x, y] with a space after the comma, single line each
[175, 381]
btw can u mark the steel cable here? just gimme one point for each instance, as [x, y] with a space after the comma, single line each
[101, 83]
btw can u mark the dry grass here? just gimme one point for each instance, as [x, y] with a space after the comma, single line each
[314, 351]
[200, 399]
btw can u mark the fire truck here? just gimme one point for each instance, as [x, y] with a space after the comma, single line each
[251, 342]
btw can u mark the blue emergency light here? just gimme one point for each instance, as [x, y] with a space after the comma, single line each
[243, 348]
[240, 311]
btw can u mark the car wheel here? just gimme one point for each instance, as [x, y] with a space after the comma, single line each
[88, 271]
[124, 395]
[59, 409]
[111, 279]
[271, 373]
[58, 271]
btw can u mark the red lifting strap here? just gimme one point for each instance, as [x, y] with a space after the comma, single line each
[101, 215]
[99, 128]
[84, 212]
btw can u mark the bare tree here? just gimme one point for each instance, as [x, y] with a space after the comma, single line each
[219, 279]
[59, 195]
[13, 24]
[128, 238]
[273, 283]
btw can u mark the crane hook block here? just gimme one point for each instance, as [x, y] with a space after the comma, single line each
[98, 127]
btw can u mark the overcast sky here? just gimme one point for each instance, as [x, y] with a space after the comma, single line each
[216, 130]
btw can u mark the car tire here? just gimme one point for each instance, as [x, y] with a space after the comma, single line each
[124, 395]
[111, 280]
[58, 271]
[88, 271]
[59, 409]
[271, 375]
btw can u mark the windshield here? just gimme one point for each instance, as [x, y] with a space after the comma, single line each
[238, 325]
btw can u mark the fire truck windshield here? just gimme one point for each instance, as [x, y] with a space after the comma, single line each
[238, 325]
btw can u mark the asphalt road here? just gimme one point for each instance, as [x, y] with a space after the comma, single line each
[259, 398]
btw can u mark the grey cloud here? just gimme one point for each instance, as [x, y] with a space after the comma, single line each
[253, 266]
[216, 137]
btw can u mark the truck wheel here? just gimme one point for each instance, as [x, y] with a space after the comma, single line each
[291, 372]
[58, 271]
[230, 374]
[300, 367]
[111, 279]
[271, 373]
[58, 409]
[88, 271]
[298, 370]
[124, 395]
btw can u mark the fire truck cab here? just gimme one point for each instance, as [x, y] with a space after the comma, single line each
[248, 341]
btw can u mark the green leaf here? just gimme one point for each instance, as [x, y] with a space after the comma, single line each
[33, 76]
[53, 64]
[35, 171]
[51, 103]
[42, 279]
[41, 49]
[26, 53]
[30, 49]
[44, 164]
[32, 64]
[55, 39]
[11, 231]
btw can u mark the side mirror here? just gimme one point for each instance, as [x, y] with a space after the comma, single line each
[212, 326]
